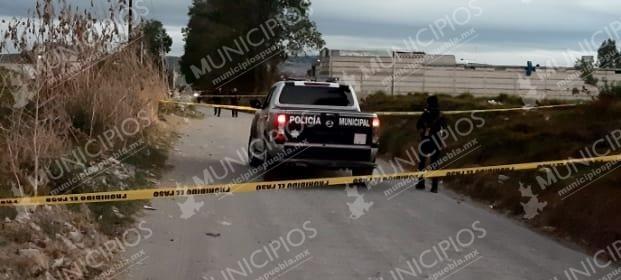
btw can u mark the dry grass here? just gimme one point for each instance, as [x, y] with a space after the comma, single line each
[74, 111]
[75, 91]
[77, 82]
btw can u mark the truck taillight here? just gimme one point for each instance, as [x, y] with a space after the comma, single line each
[376, 130]
[376, 122]
[280, 121]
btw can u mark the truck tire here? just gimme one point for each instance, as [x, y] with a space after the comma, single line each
[252, 160]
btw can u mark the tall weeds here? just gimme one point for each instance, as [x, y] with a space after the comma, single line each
[79, 79]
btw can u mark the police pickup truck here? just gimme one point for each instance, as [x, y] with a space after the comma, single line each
[303, 123]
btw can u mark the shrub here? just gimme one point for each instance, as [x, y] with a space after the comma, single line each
[610, 90]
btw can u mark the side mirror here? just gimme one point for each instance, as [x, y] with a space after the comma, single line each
[254, 103]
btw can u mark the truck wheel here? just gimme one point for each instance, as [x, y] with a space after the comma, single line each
[365, 171]
[252, 160]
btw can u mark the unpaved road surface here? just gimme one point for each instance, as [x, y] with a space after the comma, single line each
[317, 235]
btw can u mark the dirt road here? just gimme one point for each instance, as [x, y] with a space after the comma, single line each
[333, 233]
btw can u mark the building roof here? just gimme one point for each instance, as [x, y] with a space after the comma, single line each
[426, 59]
[369, 52]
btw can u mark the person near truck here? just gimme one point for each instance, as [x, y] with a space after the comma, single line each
[234, 102]
[218, 101]
[430, 125]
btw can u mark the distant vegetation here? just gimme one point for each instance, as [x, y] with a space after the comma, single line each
[251, 35]
[608, 55]
[157, 40]
[610, 90]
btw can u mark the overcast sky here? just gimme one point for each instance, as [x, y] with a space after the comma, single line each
[481, 31]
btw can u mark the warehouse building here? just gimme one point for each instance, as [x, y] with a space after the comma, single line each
[396, 72]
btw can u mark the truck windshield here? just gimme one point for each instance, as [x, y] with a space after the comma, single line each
[319, 95]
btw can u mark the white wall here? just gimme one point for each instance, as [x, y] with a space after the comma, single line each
[371, 74]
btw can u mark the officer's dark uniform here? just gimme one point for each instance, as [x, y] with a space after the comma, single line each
[429, 126]
[217, 100]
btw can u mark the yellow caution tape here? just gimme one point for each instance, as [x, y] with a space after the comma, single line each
[228, 95]
[229, 107]
[183, 191]
[239, 92]
[252, 110]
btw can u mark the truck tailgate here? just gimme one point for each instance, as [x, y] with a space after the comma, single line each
[330, 128]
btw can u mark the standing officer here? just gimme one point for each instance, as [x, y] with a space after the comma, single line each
[429, 126]
[218, 101]
[234, 102]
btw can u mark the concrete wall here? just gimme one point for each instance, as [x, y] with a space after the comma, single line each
[425, 73]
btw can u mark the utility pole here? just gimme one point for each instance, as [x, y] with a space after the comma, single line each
[131, 19]
[165, 69]
[392, 89]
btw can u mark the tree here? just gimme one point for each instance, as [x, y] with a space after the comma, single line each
[241, 43]
[156, 38]
[586, 68]
[608, 55]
